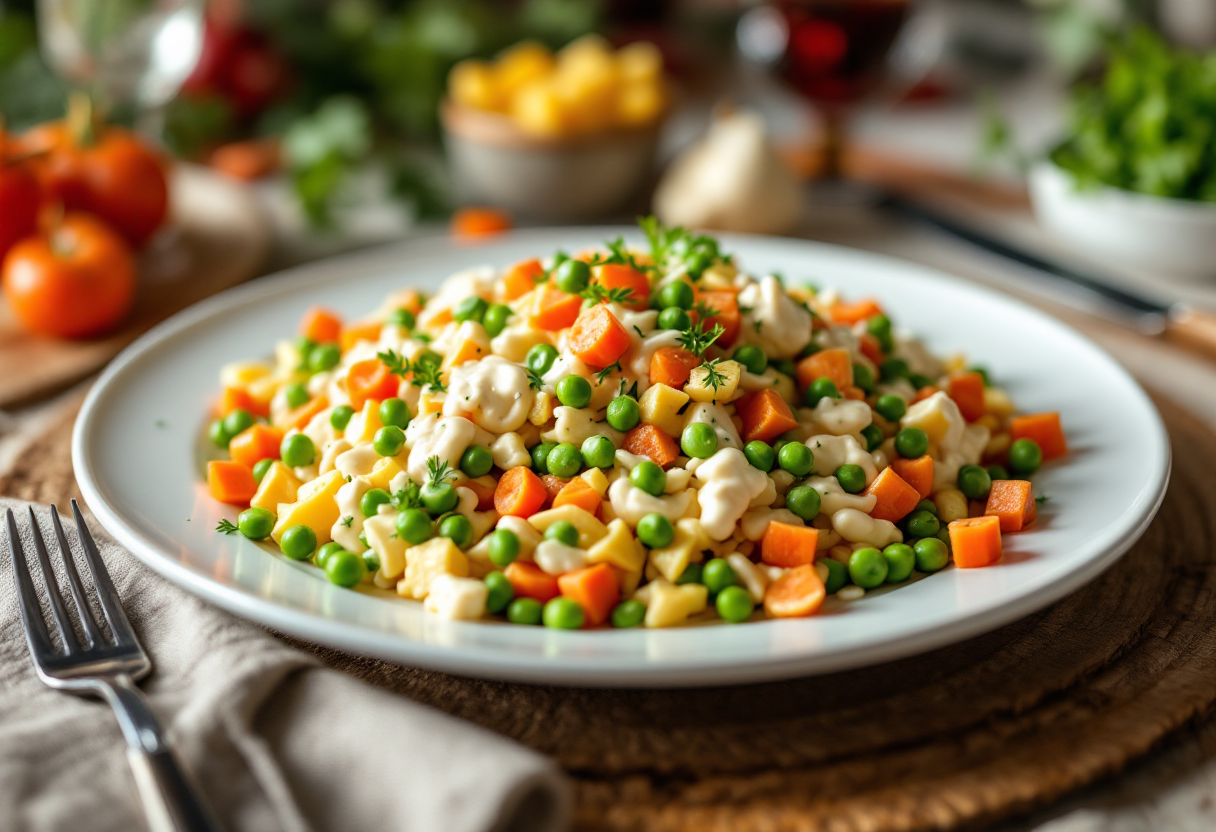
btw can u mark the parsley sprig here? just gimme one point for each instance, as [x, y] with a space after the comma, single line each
[679, 249]
[226, 527]
[438, 471]
[713, 378]
[534, 380]
[597, 293]
[408, 497]
[697, 340]
[607, 371]
[424, 373]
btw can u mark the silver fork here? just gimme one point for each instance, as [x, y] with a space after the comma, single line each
[104, 669]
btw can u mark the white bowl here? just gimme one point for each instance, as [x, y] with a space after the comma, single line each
[1175, 236]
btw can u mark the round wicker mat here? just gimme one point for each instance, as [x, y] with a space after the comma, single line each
[956, 738]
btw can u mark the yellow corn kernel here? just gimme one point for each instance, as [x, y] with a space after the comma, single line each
[471, 83]
[589, 57]
[279, 485]
[998, 444]
[542, 409]
[955, 363]
[951, 505]
[989, 421]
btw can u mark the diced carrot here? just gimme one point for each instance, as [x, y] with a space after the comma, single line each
[530, 581]
[796, 594]
[234, 398]
[519, 493]
[521, 278]
[352, 335]
[765, 416]
[725, 306]
[618, 276]
[924, 393]
[479, 222]
[254, 444]
[595, 588]
[871, 347]
[672, 366]
[247, 160]
[835, 364]
[1043, 428]
[577, 492]
[299, 417]
[651, 441]
[787, 545]
[854, 392]
[896, 498]
[917, 473]
[555, 309]
[1013, 502]
[967, 390]
[321, 325]
[975, 541]
[484, 492]
[410, 299]
[850, 313]
[369, 379]
[598, 337]
[553, 486]
[231, 482]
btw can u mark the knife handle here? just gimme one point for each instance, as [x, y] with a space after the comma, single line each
[1193, 328]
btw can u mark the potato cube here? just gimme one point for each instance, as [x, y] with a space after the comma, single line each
[381, 534]
[670, 605]
[660, 406]
[363, 425]
[279, 485]
[426, 562]
[383, 472]
[685, 548]
[589, 528]
[726, 374]
[620, 548]
[316, 506]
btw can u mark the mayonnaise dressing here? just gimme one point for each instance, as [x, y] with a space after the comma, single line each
[631, 503]
[776, 323]
[730, 484]
[492, 392]
[716, 417]
[448, 440]
[833, 451]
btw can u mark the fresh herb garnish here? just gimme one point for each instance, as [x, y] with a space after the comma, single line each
[607, 371]
[439, 471]
[534, 381]
[1042, 498]
[226, 527]
[347, 520]
[713, 378]
[422, 373]
[677, 249]
[696, 340]
[397, 365]
[632, 392]
[597, 293]
[408, 497]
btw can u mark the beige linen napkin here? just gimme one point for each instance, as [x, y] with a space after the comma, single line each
[275, 741]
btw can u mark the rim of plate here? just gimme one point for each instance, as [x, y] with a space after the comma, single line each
[1111, 543]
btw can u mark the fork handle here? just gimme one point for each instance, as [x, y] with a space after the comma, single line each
[171, 803]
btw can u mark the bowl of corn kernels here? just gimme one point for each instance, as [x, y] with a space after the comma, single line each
[566, 136]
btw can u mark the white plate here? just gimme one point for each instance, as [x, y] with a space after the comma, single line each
[134, 451]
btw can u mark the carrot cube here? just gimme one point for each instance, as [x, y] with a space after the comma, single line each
[530, 581]
[975, 541]
[1043, 428]
[578, 492]
[765, 416]
[651, 441]
[595, 588]
[917, 473]
[321, 325]
[1013, 502]
[231, 482]
[895, 497]
[254, 444]
[967, 390]
[835, 364]
[787, 545]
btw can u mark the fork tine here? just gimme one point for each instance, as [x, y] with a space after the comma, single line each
[31, 611]
[92, 633]
[58, 611]
[124, 636]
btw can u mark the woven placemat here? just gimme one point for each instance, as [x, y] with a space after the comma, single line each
[956, 738]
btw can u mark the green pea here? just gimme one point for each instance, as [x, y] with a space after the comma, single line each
[785, 366]
[393, 411]
[574, 391]
[851, 478]
[296, 395]
[1025, 457]
[219, 437]
[974, 482]
[325, 551]
[563, 613]
[927, 505]
[304, 346]
[476, 461]
[260, 468]
[998, 472]
[495, 319]
[880, 327]
[868, 568]
[298, 542]
[655, 530]
[324, 357]
[504, 547]
[893, 368]
[540, 358]
[699, 441]
[255, 523]
[297, 450]
[524, 611]
[931, 554]
[540, 456]
[760, 454]
[808, 350]
[863, 377]
[499, 592]
[401, 317]
[752, 357]
[838, 575]
[458, 529]
[673, 317]
[923, 524]
[803, 501]
[372, 500]
[891, 407]
[238, 421]
[439, 497]
[572, 276]
[564, 461]
[717, 575]
[628, 614]
[796, 458]
[389, 440]
[344, 568]
[678, 294]
[649, 477]
[911, 443]
[339, 417]
[918, 381]
[598, 452]
[943, 534]
[371, 561]
[623, 413]
[414, 526]
[821, 388]
[734, 604]
[873, 436]
[901, 560]
[563, 531]
[470, 309]
[690, 575]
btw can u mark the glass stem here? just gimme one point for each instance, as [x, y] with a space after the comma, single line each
[832, 150]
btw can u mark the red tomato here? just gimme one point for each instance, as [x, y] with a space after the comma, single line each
[75, 282]
[20, 200]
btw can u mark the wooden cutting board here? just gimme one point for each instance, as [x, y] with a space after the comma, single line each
[218, 237]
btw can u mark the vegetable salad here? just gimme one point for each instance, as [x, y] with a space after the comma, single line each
[624, 437]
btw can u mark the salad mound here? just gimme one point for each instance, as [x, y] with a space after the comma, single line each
[630, 436]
